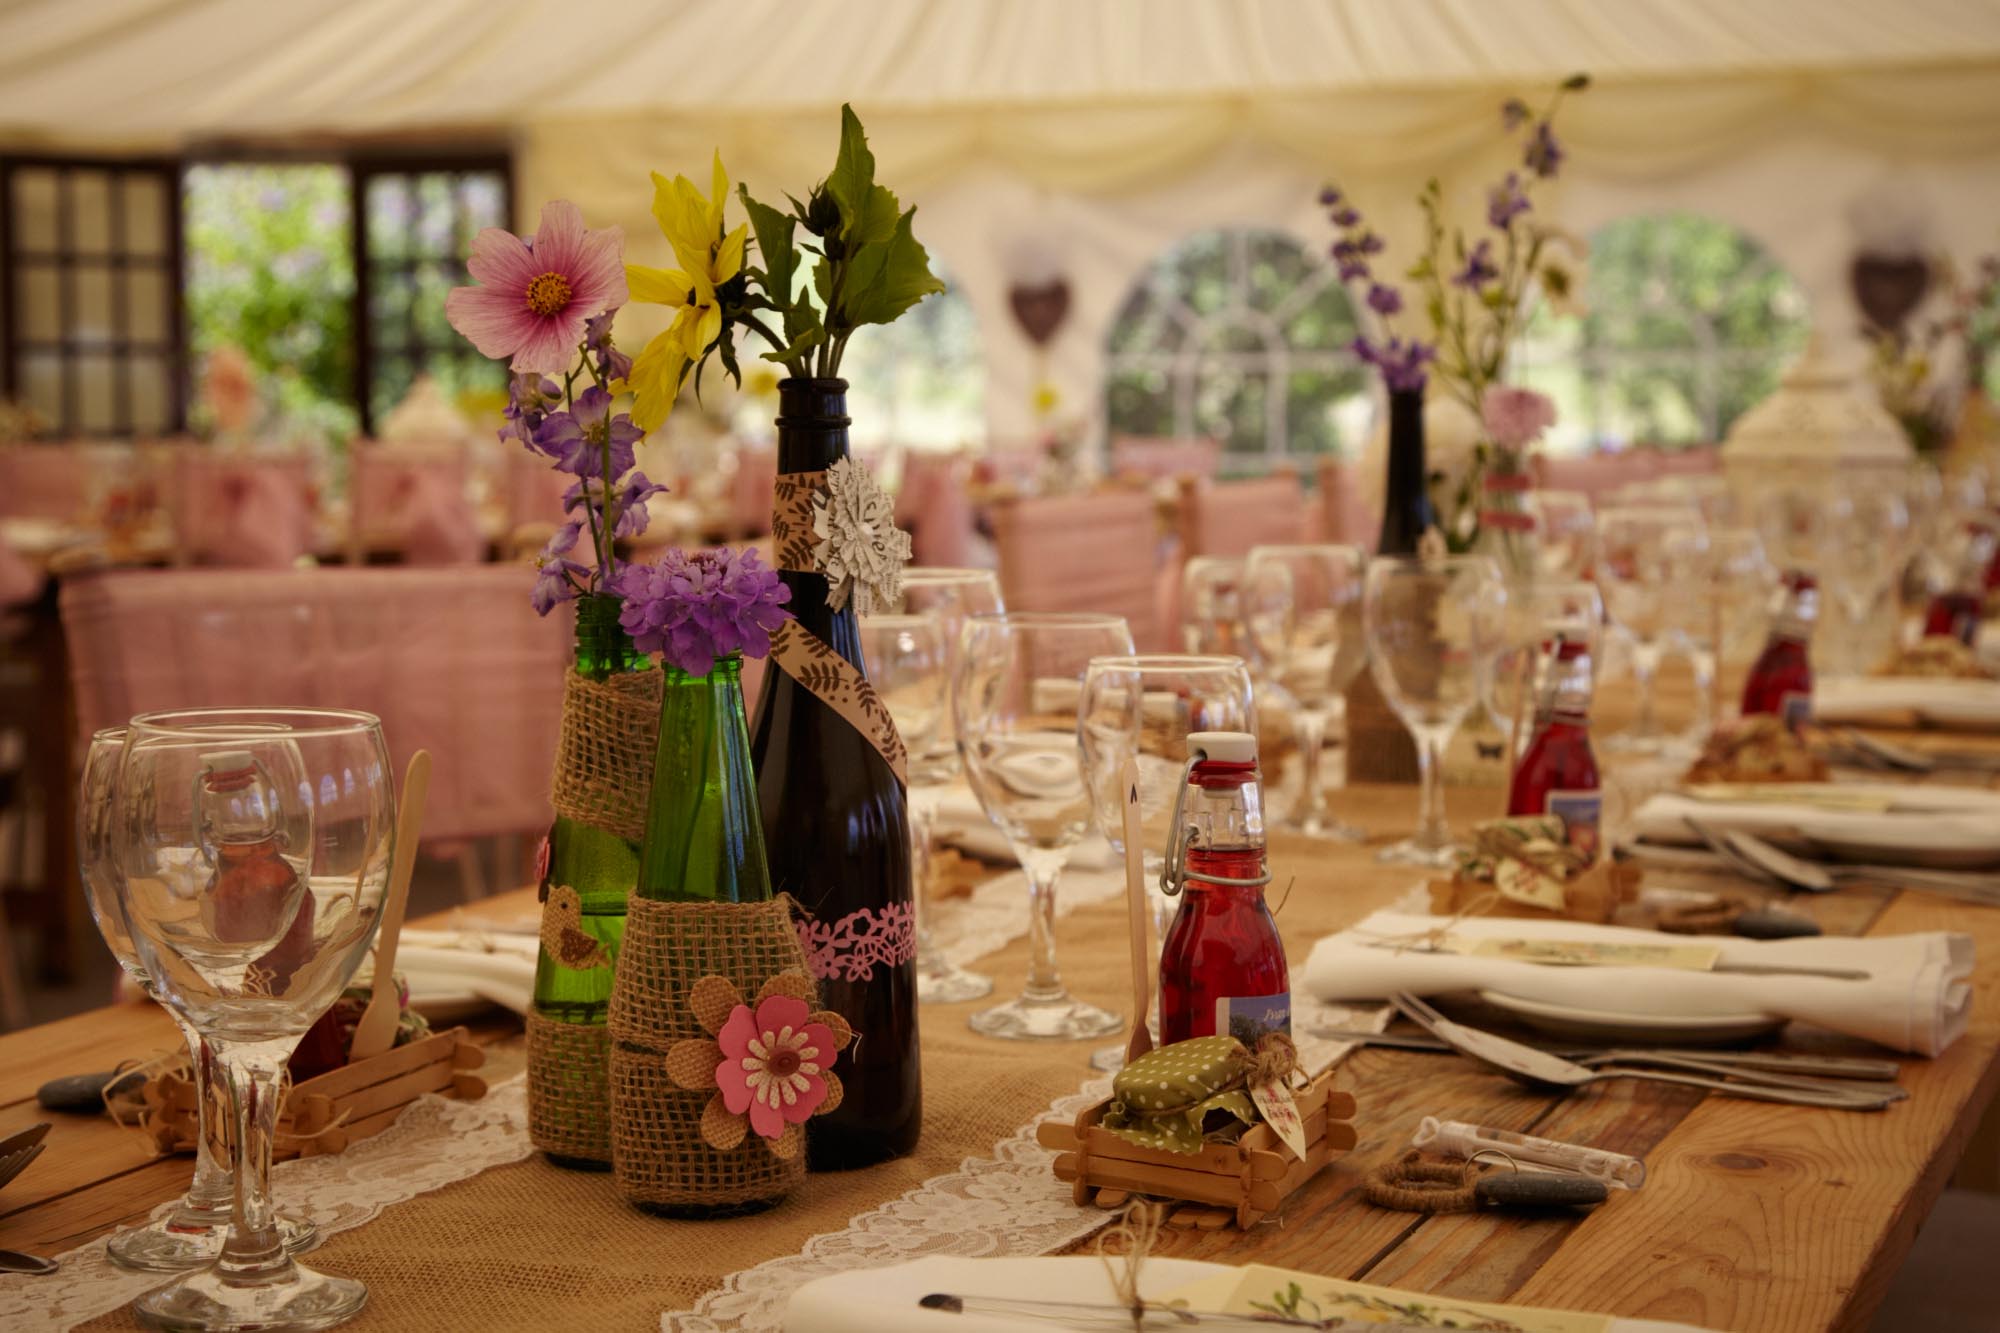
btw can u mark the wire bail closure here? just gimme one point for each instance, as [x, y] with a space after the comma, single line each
[1174, 874]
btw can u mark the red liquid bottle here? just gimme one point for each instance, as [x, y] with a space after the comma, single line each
[1957, 610]
[254, 895]
[1781, 679]
[1557, 774]
[1222, 966]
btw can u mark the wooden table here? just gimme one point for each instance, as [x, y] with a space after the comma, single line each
[1753, 1217]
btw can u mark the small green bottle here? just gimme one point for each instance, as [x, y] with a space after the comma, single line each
[601, 866]
[704, 837]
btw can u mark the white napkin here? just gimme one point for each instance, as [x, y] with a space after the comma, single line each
[962, 823]
[1918, 996]
[449, 971]
[1960, 704]
[1962, 818]
[884, 1300]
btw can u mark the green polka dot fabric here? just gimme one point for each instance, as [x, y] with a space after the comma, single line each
[1165, 1097]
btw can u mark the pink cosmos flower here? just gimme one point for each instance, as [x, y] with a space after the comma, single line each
[536, 294]
[774, 1063]
[1515, 418]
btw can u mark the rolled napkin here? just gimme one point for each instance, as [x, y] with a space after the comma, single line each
[1917, 997]
[1970, 705]
[1888, 819]
[453, 970]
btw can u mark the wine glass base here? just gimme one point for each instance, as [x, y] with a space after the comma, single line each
[303, 1299]
[1335, 830]
[174, 1246]
[1063, 1019]
[1411, 852]
[952, 985]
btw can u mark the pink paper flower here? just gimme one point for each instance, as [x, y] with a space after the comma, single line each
[774, 1063]
[537, 294]
[1515, 418]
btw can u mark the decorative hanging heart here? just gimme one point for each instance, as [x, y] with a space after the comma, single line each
[1040, 309]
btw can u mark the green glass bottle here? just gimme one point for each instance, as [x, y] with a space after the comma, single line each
[600, 865]
[704, 838]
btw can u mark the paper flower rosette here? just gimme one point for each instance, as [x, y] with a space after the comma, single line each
[857, 543]
[770, 1062]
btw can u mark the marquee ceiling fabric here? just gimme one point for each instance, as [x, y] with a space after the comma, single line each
[159, 70]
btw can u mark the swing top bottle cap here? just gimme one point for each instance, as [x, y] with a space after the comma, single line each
[1229, 747]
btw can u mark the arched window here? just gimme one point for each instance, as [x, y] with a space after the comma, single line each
[1687, 323]
[920, 382]
[1243, 336]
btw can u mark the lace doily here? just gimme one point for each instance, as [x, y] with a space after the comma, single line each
[1008, 1204]
[435, 1143]
[995, 913]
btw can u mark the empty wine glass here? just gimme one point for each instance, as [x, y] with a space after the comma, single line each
[1016, 701]
[254, 852]
[1302, 607]
[908, 666]
[1868, 527]
[190, 1235]
[1431, 626]
[1212, 607]
[1639, 548]
[1534, 614]
[1565, 533]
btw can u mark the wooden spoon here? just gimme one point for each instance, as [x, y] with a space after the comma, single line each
[376, 1032]
[1135, 903]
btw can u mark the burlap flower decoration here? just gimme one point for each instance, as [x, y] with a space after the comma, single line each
[771, 1064]
[860, 549]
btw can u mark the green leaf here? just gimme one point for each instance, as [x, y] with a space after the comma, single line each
[801, 319]
[805, 342]
[823, 285]
[886, 278]
[726, 348]
[774, 245]
[852, 183]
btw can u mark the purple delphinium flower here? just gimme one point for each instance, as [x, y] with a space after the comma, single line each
[1478, 270]
[576, 438]
[1384, 299]
[611, 363]
[529, 399]
[1506, 201]
[1514, 113]
[1345, 216]
[1328, 196]
[1402, 363]
[1544, 154]
[693, 609]
[555, 571]
[629, 516]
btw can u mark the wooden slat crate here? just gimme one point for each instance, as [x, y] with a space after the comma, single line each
[326, 1113]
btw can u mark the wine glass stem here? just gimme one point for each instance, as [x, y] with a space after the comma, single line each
[1312, 744]
[1044, 982]
[1432, 830]
[1702, 662]
[923, 819]
[212, 1191]
[255, 1072]
[1645, 662]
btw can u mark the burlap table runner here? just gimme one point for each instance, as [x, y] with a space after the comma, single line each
[531, 1246]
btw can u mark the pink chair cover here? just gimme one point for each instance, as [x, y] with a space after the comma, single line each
[934, 506]
[44, 481]
[1156, 458]
[1097, 552]
[412, 500]
[1230, 517]
[534, 490]
[1343, 513]
[1018, 466]
[750, 490]
[240, 510]
[20, 581]
[452, 661]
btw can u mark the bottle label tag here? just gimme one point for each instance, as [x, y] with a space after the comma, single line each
[1795, 708]
[1281, 1113]
[1581, 812]
[852, 948]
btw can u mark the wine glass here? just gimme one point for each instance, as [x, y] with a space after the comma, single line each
[1143, 708]
[1016, 698]
[1212, 607]
[1302, 608]
[1868, 528]
[908, 666]
[1535, 613]
[1639, 549]
[1565, 533]
[254, 852]
[1432, 625]
[190, 1235]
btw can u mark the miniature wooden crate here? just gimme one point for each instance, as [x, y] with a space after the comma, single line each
[1243, 1181]
[329, 1111]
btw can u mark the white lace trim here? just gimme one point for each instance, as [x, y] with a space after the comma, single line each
[435, 1143]
[1008, 1204]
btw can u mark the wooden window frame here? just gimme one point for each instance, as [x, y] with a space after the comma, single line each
[122, 347]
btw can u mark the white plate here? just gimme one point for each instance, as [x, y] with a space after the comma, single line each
[1598, 1025]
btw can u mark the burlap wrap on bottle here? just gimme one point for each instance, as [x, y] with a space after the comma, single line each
[658, 1154]
[603, 775]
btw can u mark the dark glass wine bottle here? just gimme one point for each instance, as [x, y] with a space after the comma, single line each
[1379, 746]
[845, 848]
[599, 864]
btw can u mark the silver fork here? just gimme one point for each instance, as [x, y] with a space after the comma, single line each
[13, 1164]
[1539, 1069]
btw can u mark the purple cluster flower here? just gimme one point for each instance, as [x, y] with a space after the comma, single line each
[576, 438]
[695, 608]
[1401, 362]
[1479, 269]
[1384, 299]
[556, 573]
[1506, 201]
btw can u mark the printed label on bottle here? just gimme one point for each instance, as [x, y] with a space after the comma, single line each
[851, 948]
[1581, 812]
[1249, 1017]
[1795, 708]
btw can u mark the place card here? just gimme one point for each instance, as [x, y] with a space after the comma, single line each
[1587, 953]
[1258, 1289]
